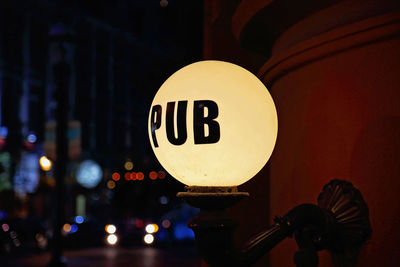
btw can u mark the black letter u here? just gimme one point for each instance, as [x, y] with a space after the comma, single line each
[180, 120]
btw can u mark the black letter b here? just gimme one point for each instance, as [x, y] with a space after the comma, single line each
[199, 120]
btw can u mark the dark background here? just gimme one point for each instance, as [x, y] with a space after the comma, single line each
[118, 53]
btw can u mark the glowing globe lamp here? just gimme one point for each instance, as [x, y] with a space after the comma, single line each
[213, 123]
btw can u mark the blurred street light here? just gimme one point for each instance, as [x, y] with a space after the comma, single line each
[111, 229]
[148, 239]
[45, 163]
[112, 239]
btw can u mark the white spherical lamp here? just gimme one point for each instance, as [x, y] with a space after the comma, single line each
[213, 123]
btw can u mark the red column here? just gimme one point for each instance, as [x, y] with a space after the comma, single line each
[333, 68]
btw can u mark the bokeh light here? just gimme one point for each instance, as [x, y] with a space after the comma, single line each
[151, 228]
[74, 228]
[128, 165]
[155, 228]
[166, 223]
[140, 176]
[164, 200]
[31, 138]
[112, 239]
[148, 239]
[41, 240]
[110, 228]
[67, 228]
[111, 184]
[3, 131]
[79, 219]
[153, 175]
[45, 163]
[115, 176]
[161, 174]
[139, 223]
[89, 174]
[5, 227]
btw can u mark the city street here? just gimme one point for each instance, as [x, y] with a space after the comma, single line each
[114, 256]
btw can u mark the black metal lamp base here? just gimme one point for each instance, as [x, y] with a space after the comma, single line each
[340, 223]
[350, 227]
[212, 198]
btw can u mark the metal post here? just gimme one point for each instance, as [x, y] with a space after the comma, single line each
[110, 90]
[93, 88]
[128, 94]
[25, 97]
[61, 72]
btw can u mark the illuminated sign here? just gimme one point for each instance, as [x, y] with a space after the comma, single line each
[200, 121]
[213, 123]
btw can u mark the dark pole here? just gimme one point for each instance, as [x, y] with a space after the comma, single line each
[93, 88]
[61, 71]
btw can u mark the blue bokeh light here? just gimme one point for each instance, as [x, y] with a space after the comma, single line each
[31, 138]
[89, 174]
[79, 219]
[3, 131]
[74, 228]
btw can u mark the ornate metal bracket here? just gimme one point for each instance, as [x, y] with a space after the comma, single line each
[339, 223]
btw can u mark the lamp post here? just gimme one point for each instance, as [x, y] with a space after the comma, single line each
[213, 126]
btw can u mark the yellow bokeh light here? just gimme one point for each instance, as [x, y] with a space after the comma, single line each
[128, 165]
[45, 163]
[221, 126]
[155, 228]
[111, 184]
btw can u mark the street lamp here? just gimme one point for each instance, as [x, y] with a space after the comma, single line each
[213, 126]
[213, 123]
